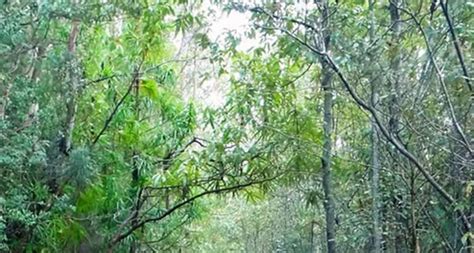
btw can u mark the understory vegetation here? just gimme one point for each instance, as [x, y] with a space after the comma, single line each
[236, 126]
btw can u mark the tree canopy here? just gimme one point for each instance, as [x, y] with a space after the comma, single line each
[236, 126]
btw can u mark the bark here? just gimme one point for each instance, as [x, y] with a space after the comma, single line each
[394, 79]
[312, 249]
[5, 99]
[394, 113]
[415, 244]
[375, 163]
[326, 163]
[136, 187]
[326, 84]
[71, 104]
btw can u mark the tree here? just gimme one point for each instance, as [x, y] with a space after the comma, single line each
[346, 121]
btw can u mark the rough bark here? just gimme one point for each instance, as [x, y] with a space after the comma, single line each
[394, 78]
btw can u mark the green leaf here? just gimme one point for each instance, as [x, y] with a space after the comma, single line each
[149, 88]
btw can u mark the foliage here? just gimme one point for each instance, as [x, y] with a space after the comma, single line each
[105, 145]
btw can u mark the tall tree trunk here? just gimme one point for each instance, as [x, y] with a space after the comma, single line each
[71, 104]
[449, 21]
[394, 118]
[326, 164]
[326, 84]
[394, 80]
[375, 163]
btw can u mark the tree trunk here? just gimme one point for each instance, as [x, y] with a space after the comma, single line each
[415, 244]
[71, 104]
[394, 118]
[326, 84]
[326, 161]
[375, 163]
[311, 248]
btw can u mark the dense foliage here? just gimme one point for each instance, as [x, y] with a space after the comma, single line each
[346, 126]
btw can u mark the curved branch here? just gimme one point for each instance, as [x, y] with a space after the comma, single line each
[456, 124]
[171, 210]
[399, 146]
[117, 106]
[292, 20]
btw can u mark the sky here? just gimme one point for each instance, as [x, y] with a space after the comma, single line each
[211, 92]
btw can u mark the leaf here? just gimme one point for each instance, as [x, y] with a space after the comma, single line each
[149, 88]
[253, 194]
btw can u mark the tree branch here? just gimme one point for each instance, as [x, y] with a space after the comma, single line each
[263, 11]
[456, 124]
[380, 124]
[171, 210]
[444, 7]
[117, 106]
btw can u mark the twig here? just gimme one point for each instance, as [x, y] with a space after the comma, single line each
[117, 106]
[456, 125]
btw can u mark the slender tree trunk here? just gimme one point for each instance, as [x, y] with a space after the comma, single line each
[5, 99]
[449, 21]
[394, 112]
[375, 163]
[415, 244]
[326, 161]
[326, 84]
[394, 80]
[136, 187]
[71, 104]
